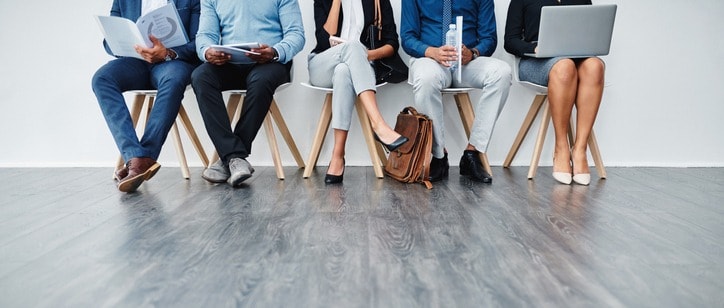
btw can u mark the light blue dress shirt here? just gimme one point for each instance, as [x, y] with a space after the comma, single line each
[277, 23]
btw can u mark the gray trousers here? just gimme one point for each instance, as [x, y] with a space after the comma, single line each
[346, 70]
[428, 78]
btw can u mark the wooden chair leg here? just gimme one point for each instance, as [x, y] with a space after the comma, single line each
[467, 116]
[596, 153]
[364, 122]
[273, 146]
[523, 132]
[381, 154]
[186, 122]
[180, 152]
[322, 127]
[284, 131]
[545, 120]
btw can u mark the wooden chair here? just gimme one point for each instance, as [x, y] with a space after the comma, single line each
[143, 102]
[540, 102]
[377, 154]
[467, 115]
[233, 108]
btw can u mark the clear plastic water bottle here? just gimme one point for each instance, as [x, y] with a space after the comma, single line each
[450, 39]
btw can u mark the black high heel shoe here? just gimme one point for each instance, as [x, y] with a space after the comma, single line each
[334, 179]
[394, 145]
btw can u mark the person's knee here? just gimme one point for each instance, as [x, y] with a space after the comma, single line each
[564, 72]
[592, 70]
[421, 79]
[103, 78]
[341, 74]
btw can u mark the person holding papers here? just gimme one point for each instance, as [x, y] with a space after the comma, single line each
[571, 82]
[276, 25]
[346, 67]
[164, 68]
[423, 28]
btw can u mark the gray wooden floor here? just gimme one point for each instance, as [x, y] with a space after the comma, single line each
[645, 237]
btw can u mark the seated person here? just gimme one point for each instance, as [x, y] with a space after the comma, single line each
[167, 70]
[571, 82]
[277, 25]
[346, 68]
[423, 29]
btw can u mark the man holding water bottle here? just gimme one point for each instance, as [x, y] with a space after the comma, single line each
[423, 34]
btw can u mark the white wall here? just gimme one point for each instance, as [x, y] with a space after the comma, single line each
[663, 106]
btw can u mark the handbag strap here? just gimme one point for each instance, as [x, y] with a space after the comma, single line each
[378, 19]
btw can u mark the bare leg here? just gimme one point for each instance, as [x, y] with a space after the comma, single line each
[336, 163]
[590, 91]
[562, 86]
[384, 131]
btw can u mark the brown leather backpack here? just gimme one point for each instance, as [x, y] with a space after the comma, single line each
[410, 163]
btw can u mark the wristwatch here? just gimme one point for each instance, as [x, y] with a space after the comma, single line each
[276, 56]
[475, 52]
[170, 55]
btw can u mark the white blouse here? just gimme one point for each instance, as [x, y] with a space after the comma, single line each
[353, 22]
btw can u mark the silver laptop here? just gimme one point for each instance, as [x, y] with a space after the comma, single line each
[575, 31]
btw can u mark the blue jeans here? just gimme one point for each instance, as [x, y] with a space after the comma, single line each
[124, 74]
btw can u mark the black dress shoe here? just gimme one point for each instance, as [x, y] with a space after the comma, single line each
[394, 145]
[472, 167]
[439, 168]
[334, 179]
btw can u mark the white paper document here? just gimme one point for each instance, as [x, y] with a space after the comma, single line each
[459, 72]
[238, 51]
[122, 34]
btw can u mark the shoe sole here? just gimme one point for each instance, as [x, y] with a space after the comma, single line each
[470, 176]
[215, 181]
[132, 184]
[237, 182]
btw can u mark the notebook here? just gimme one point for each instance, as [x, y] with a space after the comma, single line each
[575, 31]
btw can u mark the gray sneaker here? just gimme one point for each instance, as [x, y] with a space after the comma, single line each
[240, 170]
[217, 172]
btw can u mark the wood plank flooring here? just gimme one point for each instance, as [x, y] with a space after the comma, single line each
[645, 237]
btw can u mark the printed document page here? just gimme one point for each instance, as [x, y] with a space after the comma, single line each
[238, 51]
[122, 34]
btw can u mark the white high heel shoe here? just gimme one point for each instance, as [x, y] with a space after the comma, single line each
[582, 178]
[561, 177]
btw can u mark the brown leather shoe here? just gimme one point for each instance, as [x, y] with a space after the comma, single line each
[120, 174]
[139, 169]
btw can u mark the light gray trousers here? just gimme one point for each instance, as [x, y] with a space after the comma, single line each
[346, 70]
[428, 78]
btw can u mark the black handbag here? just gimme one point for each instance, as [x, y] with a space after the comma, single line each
[391, 69]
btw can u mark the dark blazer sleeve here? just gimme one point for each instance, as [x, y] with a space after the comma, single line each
[189, 11]
[389, 28]
[321, 11]
[514, 40]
